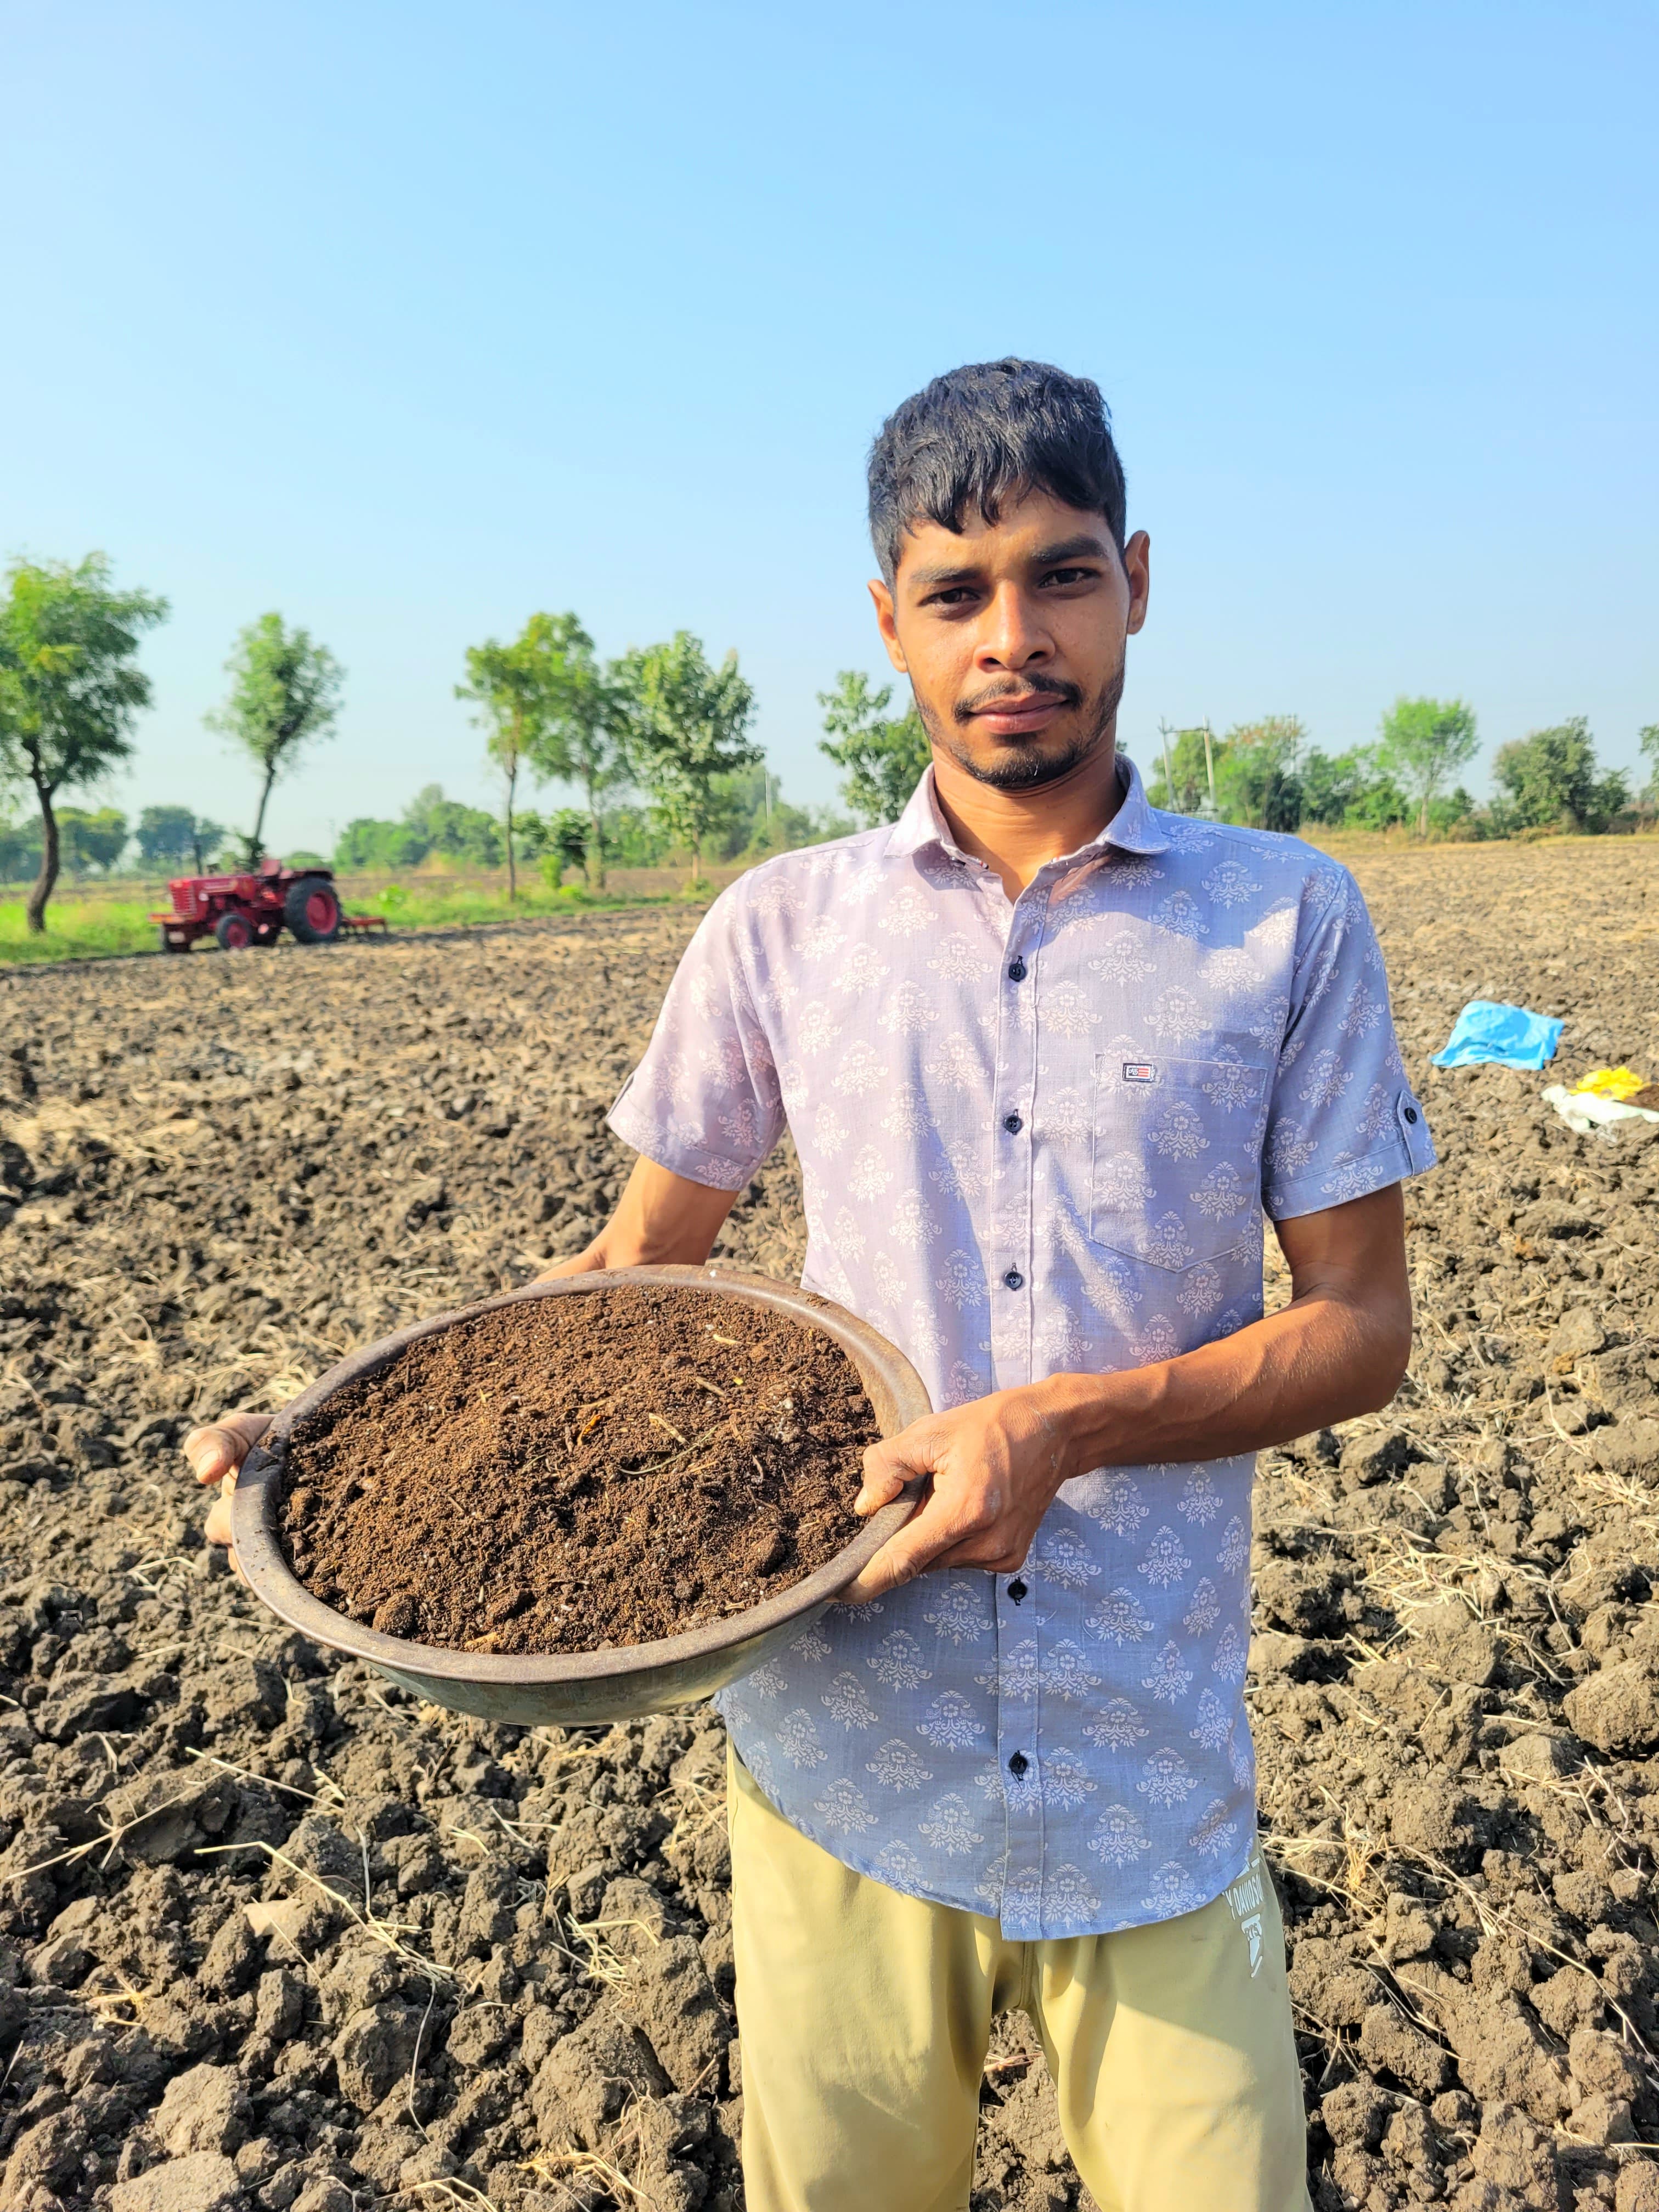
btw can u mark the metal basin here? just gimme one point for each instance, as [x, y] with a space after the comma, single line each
[593, 1686]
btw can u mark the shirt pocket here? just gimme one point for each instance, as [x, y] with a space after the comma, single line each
[1176, 1179]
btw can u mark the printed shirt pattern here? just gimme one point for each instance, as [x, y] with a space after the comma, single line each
[1036, 1137]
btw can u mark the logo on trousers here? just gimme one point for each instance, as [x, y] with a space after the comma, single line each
[1245, 1897]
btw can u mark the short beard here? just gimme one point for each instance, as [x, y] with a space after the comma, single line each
[1018, 769]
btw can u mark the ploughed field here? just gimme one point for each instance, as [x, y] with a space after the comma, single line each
[272, 1935]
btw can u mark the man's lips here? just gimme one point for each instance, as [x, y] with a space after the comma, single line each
[1015, 717]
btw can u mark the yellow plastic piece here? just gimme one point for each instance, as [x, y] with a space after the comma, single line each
[1612, 1082]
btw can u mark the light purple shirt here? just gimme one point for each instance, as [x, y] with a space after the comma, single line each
[1036, 1137]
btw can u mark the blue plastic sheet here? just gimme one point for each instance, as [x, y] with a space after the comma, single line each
[1487, 1031]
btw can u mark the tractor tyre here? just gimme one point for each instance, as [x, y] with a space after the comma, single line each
[170, 943]
[233, 931]
[312, 910]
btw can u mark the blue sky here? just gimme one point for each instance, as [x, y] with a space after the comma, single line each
[408, 320]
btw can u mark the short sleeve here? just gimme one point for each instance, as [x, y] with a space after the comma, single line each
[704, 1100]
[1343, 1120]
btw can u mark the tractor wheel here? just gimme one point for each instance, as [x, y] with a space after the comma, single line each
[170, 943]
[312, 911]
[233, 931]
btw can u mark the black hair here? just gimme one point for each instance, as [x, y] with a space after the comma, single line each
[968, 439]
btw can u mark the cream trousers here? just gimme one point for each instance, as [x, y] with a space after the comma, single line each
[865, 2017]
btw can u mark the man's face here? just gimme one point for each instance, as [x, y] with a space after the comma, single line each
[1013, 634]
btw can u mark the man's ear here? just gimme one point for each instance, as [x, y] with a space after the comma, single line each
[882, 598]
[1138, 567]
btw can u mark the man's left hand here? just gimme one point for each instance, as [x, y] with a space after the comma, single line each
[995, 1466]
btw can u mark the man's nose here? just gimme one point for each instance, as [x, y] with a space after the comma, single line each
[1013, 634]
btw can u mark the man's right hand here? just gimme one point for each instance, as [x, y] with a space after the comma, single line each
[216, 1453]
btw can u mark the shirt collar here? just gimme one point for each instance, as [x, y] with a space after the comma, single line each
[1135, 828]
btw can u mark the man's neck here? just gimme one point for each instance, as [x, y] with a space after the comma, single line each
[1015, 832]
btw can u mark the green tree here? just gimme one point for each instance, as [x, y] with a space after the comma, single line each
[563, 840]
[688, 727]
[633, 836]
[431, 823]
[881, 757]
[69, 687]
[511, 686]
[763, 821]
[1349, 789]
[169, 835]
[1255, 778]
[1648, 737]
[285, 691]
[19, 842]
[1181, 752]
[1550, 777]
[1332, 783]
[450, 827]
[1425, 742]
[577, 738]
[366, 842]
[91, 840]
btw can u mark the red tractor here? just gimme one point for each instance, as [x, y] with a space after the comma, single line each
[252, 908]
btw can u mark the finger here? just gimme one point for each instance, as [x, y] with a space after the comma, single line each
[990, 1559]
[881, 1486]
[935, 1530]
[892, 1465]
[221, 1447]
[218, 1521]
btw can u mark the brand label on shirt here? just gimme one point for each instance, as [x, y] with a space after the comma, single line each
[1139, 1070]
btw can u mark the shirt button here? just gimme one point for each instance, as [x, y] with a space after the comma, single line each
[1013, 1124]
[1017, 1590]
[1015, 969]
[1018, 1764]
[1014, 1280]
[1411, 1113]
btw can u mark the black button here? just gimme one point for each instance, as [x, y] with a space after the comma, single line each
[1014, 1280]
[1411, 1113]
[1015, 969]
[1017, 1590]
[1019, 1763]
[1013, 1124]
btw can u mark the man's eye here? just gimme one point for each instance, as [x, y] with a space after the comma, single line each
[955, 595]
[1068, 575]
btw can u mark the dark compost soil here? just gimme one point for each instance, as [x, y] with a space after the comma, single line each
[578, 1472]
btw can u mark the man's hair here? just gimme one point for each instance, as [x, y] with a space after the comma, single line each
[973, 438]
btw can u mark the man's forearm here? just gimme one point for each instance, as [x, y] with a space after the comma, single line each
[1323, 1359]
[662, 1220]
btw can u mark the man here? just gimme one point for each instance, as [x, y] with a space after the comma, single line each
[1047, 1054]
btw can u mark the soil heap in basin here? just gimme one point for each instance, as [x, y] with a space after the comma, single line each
[579, 1474]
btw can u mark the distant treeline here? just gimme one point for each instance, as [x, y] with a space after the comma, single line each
[1267, 775]
[657, 746]
[749, 817]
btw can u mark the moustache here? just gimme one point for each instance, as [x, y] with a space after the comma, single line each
[1052, 687]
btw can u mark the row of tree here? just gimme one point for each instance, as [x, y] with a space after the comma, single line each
[659, 744]
[749, 819]
[104, 842]
[71, 690]
[1267, 775]
[661, 718]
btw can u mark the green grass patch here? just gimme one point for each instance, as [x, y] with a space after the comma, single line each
[77, 929]
[424, 906]
[81, 929]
